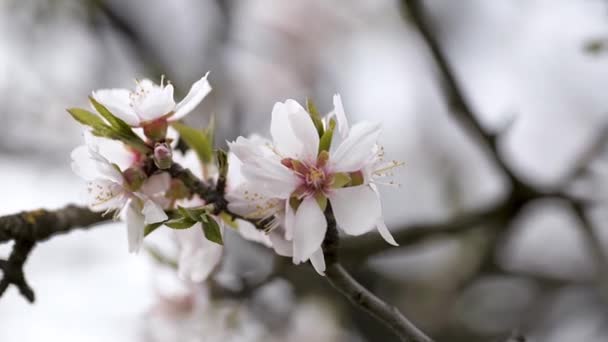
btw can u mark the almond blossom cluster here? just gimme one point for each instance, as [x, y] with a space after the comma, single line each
[277, 192]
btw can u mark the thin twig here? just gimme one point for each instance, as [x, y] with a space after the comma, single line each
[341, 280]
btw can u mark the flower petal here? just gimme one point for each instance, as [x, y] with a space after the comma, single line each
[385, 232]
[82, 164]
[197, 93]
[153, 212]
[251, 233]
[135, 227]
[382, 228]
[279, 244]
[317, 259]
[309, 230]
[290, 218]
[357, 209]
[304, 130]
[118, 102]
[284, 140]
[357, 149]
[343, 127]
[198, 256]
[105, 195]
[157, 183]
[157, 102]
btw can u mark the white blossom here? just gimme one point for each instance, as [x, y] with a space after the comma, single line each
[150, 102]
[108, 189]
[292, 168]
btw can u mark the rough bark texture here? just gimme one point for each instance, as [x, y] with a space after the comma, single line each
[29, 227]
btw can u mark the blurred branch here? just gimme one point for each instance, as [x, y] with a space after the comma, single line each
[457, 101]
[597, 250]
[29, 227]
[361, 247]
[520, 194]
[147, 53]
[581, 166]
[342, 281]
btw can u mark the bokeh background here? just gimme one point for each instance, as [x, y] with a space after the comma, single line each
[536, 70]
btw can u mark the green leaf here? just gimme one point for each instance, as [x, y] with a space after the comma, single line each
[197, 140]
[118, 124]
[325, 142]
[149, 228]
[102, 129]
[315, 116]
[87, 118]
[122, 129]
[194, 214]
[180, 223]
[212, 230]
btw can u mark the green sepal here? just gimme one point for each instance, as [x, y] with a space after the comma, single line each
[321, 200]
[229, 220]
[211, 229]
[315, 116]
[198, 140]
[325, 142]
[340, 180]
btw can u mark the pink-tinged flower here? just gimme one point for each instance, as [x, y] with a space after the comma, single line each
[292, 174]
[110, 189]
[150, 102]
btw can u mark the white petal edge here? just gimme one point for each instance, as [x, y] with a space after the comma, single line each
[381, 225]
[317, 259]
[199, 90]
[343, 127]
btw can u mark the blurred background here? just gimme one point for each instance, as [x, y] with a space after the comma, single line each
[535, 71]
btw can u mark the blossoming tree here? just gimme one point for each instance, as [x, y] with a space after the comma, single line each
[313, 183]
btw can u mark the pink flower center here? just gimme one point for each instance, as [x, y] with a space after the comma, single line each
[314, 177]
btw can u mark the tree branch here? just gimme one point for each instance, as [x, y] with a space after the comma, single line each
[29, 227]
[342, 281]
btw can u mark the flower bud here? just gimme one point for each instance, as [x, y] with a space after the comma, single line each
[163, 155]
[134, 178]
[156, 130]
